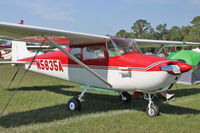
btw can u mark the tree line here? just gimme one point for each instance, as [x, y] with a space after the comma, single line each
[142, 29]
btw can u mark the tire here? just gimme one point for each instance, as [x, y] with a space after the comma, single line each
[127, 97]
[153, 111]
[74, 104]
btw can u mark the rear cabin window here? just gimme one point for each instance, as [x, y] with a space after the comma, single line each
[76, 52]
[93, 52]
[118, 47]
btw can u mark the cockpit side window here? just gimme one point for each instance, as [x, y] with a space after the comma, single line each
[93, 52]
[119, 47]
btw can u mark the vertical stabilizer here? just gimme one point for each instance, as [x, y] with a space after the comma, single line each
[19, 51]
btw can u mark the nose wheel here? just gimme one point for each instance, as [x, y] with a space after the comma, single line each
[152, 110]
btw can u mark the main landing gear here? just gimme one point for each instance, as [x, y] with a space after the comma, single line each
[74, 103]
[125, 97]
[151, 110]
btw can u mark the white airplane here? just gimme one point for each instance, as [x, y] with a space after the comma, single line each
[97, 61]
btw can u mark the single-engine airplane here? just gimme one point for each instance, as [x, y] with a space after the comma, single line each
[98, 61]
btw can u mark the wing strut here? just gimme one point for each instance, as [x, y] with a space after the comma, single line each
[78, 61]
[22, 78]
[161, 48]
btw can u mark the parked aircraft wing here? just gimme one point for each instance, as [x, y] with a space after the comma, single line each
[29, 47]
[20, 32]
[13, 62]
[142, 43]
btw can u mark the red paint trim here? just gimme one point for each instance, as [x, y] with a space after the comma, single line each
[132, 60]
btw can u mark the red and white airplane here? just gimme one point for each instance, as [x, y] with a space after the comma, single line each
[98, 61]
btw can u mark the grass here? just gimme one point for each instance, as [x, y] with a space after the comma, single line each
[39, 105]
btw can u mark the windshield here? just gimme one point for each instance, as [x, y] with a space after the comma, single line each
[117, 47]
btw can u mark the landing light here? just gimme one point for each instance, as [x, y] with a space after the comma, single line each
[171, 68]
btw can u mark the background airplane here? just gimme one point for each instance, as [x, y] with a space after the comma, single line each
[6, 50]
[99, 61]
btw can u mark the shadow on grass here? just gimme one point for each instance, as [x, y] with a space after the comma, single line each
[91, 103]
[185, 92]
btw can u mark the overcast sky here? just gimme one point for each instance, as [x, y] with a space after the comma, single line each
[98, 16]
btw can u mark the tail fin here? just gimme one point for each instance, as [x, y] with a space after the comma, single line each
[19, 51]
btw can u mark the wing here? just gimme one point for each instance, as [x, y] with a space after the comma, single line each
[5, 47]
[35, 47]
[142, 43]
[13, 62]
[19, 32]
[29, 47]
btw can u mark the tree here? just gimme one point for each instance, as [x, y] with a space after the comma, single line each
[175, 34]
[122, 33]
[109, 35]
[185, 30]
[196, 21]
[140, 27]
[194, 34]
[131, 35]
[162, 31]
[150, 34]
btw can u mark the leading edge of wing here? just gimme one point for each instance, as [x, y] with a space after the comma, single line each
[18, 32]
[158, 43]
[13, 62]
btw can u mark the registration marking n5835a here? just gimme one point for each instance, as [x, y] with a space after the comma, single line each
[48, 64]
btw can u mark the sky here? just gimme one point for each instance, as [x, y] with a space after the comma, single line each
[98, 17]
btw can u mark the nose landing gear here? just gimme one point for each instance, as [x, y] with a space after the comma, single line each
[152, 109]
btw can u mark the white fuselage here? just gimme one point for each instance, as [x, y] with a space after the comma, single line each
[145, 81]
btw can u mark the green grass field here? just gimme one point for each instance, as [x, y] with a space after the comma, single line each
[39, 105]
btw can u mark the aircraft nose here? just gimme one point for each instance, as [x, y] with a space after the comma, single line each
[184, 67]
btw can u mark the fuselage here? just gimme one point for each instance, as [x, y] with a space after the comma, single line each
[124, 70]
